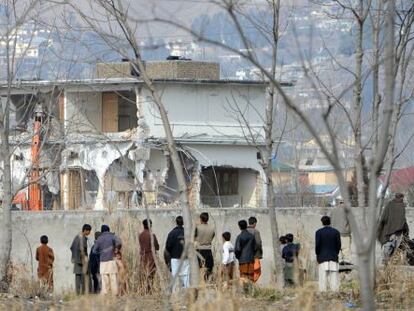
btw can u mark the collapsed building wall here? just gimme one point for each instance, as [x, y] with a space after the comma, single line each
[107, 144]
[92, 156]
[107, 122]
[120, 185]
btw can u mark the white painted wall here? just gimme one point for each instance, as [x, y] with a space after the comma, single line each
[196, 109]
[62, 226]
[247, 187]
[83, 112]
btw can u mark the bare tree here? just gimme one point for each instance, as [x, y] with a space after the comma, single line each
[13, 113]
[14, 17]
[364, 233]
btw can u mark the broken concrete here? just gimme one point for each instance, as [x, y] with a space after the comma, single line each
[99, 122]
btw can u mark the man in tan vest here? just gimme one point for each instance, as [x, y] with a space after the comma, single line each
[204, 235]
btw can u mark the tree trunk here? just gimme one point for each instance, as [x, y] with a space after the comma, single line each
[270, 107]
[6, 228]
[375, 77]
[367, 293]
[267, 166]
[277, 258]
[357, 106]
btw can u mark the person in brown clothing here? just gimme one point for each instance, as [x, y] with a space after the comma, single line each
[258, 253]
[148, 266]
[45, 257]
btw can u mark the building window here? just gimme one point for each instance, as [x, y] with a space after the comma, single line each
[119, 112]
[227, 181]
[219, 181]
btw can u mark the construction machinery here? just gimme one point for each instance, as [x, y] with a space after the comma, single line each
[35, 191]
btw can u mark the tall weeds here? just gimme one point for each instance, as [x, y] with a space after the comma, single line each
[128, 229]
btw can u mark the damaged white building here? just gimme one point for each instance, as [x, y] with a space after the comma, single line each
[103, 142]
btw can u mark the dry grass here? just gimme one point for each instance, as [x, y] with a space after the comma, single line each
[395, 288]
[128, 229]
[395, 284]
[25, 286]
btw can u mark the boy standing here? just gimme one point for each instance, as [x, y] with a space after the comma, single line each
[45, 257]
[290, 254]
[228, 257]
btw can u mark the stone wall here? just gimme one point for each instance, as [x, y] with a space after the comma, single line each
[168, 69]
[62, 226]
[183, 69]
[113, 70]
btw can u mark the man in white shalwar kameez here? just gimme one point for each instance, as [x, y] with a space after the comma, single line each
[327, 248]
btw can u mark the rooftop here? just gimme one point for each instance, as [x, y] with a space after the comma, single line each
[26, 86]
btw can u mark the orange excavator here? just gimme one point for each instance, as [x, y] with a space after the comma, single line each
[35, 192]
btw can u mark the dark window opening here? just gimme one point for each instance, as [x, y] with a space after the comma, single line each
[220, 181]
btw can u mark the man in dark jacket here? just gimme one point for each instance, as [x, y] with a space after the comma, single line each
[327, 247]
[392, 226]
[244, 250]
[105, 246]
[174, 247]
[94, 267]
[80, 260]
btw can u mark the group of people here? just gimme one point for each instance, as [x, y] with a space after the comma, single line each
[101, 269]
[104, 270]
[327, 248]
[247, 250]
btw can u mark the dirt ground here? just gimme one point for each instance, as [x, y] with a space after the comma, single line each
[288, 301]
